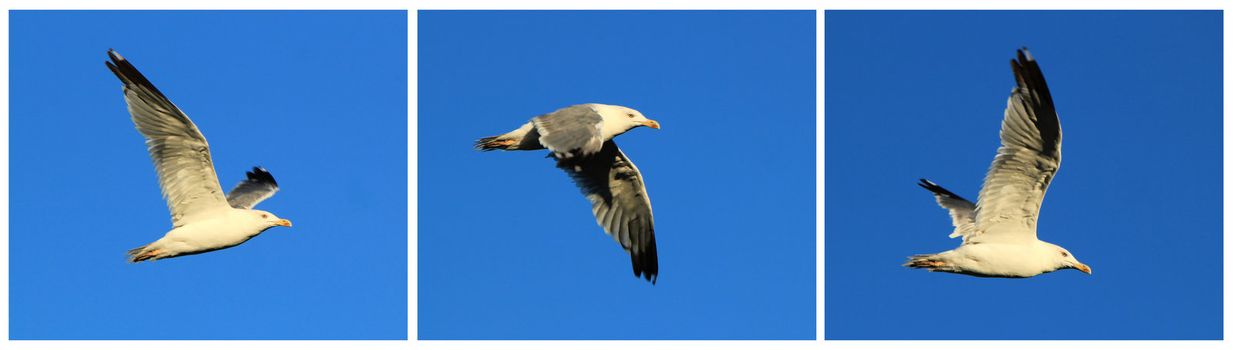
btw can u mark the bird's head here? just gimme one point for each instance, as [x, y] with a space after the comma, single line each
[270, 219]
[624, 117]
[1066, 260]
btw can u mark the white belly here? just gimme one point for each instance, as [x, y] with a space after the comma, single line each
[1005, 260]
[225, 230]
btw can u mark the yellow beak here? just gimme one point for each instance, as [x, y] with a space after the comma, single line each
[284, 222]
[651, 124]
[1084, 268]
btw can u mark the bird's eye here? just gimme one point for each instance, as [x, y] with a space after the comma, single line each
[1064, 254]
[265, 216]
[631, 115]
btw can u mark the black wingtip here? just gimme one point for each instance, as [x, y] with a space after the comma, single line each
[1024, 54]
[128, 74]
[1027, 72]
[114, 62]
[260, 175]
[937, 189]
[646, 263]
[650, 277]
[1030, 81]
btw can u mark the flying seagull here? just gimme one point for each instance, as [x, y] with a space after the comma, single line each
[579, 137]
[202, 218]
[999, 231]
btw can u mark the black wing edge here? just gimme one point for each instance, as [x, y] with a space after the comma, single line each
[260, 176]
[1032, 81]
[938, 190]
[646, 264]
[128, 73]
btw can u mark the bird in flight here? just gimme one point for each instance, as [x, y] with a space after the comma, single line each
[202, 219]
[999, 230]
[579, 137]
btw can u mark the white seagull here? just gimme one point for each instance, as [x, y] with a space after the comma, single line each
[202, 218]
[579, 137]
[999, 231]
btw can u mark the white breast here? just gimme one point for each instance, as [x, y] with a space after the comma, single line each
[229, 228]
[1004, 259]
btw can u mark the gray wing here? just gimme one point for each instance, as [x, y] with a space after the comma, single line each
[962, 211]
[620, 203]
[257, 187]
[1030, 155]
[570, 131]
[180, 153]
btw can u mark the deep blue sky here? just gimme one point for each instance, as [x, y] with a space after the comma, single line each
[318, 98]
[508, 248]
[1138, 196]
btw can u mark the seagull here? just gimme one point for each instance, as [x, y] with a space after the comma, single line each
[202, 219]
[999, 230]
[579, 137]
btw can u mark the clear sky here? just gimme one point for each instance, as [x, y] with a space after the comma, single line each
[1138, 195]
[318, 98]
[508, 248]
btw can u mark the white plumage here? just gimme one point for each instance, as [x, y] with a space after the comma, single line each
[203, 219]
[999, 231]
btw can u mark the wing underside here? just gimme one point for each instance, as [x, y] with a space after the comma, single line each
[619, 202]
[1028, 158]
[180, 152]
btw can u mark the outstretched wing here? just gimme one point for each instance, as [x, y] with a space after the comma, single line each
[180, 153]
[571, 131]
[619, 201]
[962, 211]
[1030, 155]
[257, 187]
